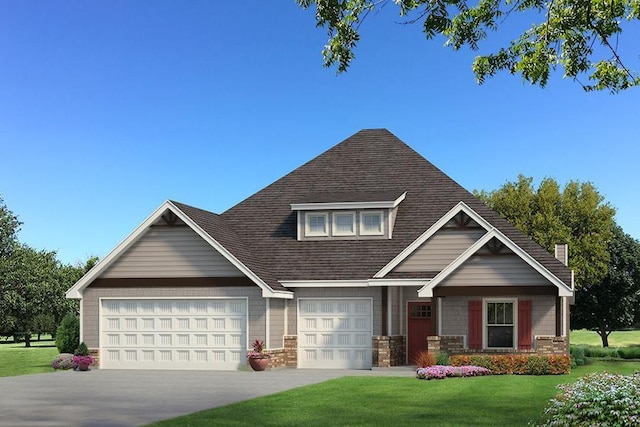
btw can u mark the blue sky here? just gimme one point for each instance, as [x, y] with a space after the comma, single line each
[109, 108]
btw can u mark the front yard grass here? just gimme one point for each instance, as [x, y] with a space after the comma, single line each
[511, 400]
[15, 359]
[616, 339]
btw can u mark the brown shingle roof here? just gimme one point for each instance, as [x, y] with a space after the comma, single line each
[261, 230]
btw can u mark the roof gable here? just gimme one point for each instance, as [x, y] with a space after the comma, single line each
[171, 212]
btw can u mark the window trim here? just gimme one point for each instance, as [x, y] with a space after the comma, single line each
[307, 224]
[334, 224]
[364, 232]
[485, 326]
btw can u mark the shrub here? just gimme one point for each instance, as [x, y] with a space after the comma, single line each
[442, 358]
[440, 372]
[82, 350]
[599, 399]
[68, 334]
[591, 351]
[424, 359]
[63, 361]
[517, 364]
[629, 352]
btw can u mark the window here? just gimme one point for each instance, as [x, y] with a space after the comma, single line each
[420, 311]
[316, 224]
[371, 223]
[344, 224]
[500, 324]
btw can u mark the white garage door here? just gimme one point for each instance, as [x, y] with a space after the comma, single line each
[335, 333]
[173, 333]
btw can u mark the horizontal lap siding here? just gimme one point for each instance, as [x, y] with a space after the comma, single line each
[440, 250]
[171, 252]
[277, 322]
[91, 304]
[495, 270]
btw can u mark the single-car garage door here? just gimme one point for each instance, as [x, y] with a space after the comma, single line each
[173, 333]
[334, 333]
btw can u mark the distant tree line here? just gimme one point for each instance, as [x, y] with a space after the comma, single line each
[32, 284]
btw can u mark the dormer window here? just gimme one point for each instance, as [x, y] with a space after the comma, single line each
[371, 223]
[317, 224]
[347, 216]
[344, 224]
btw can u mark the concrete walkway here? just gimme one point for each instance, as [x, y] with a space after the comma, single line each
[107, 398]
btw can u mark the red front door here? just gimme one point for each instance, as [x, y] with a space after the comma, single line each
[418, 328]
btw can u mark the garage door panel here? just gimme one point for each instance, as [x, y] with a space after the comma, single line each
[335, 333]
[173, 334]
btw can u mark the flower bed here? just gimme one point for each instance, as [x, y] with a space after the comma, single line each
[599, 399]
[63, 361]
[517, 364]
[440, 372]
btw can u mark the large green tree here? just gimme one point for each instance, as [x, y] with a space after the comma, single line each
[576, 215]
[580, 36]
[32, 284]
[9, 227]
[612, 303]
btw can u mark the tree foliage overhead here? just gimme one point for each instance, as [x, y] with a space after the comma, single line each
[612, 303]
[579, 36]
[577, 216]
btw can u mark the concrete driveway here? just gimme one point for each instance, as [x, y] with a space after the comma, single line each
[131, 398]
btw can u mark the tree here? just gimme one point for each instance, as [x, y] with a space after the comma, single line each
[577, 215]
[580, 36]
[612, 303]
[9, 227]
[27, 285]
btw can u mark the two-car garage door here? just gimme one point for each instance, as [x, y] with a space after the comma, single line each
[173, 333]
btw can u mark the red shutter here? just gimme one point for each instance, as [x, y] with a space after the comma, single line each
[524, 325]
[475, 325]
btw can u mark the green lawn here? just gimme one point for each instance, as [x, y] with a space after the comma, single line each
[365, 401]
[15, 359]
[616, 339]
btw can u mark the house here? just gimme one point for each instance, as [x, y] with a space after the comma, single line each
[359, 258]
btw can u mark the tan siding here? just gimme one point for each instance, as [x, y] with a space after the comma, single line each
[91, 302]
[375, 293]
[171, 252]
[495, 270]
[440, 250]
[276, 317]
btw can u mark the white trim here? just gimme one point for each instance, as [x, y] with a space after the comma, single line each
[383, 204]
[75, 292]
[563, 289]
[363, 231]
[267, 321]
[460, 207]
[82, 321]
[485, 337]
[334, 225]
[353, 283]
[286, 320]
[307, 226]
[324, 283]
[389, 317]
